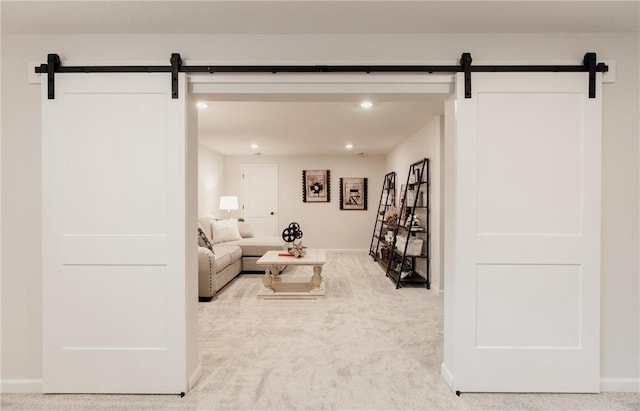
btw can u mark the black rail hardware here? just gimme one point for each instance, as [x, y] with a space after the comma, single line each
[54, 65]
[176, 63]
[465, 62]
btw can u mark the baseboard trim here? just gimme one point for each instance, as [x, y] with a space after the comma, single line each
[21, 386]
[193, 378]
[620, 384]
[436, 290]
[34, 386]
[446, 374]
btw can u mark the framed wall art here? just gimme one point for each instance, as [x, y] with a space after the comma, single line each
[353, 193]
[316, 186]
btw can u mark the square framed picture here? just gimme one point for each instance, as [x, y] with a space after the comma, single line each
[316, 186]
[353, 193]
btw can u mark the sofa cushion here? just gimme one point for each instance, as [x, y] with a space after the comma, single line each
[245, 229]
[225, 231]
[226, 255]
[258, 246]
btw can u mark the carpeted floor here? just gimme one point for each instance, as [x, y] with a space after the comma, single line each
[367, 346]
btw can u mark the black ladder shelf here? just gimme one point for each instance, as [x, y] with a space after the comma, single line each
[409, 256]
[380, 248]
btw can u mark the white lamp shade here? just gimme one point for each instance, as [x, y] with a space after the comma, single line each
[228, 203]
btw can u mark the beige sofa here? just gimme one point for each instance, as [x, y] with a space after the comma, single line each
[229, 258]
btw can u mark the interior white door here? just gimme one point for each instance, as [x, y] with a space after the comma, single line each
[260, 197]
[524, 285]
[113, 162]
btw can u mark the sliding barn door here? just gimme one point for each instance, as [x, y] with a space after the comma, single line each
[523, 285]
[114, 189]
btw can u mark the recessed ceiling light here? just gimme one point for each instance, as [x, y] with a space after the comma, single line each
[254, 146]
[202, 105]
[348, 146]
[366, 104]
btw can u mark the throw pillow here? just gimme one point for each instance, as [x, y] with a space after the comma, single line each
[245, 229]
[225, 230]
[203, 241]
[205, 224]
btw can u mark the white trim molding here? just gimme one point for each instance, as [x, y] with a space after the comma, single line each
[620, 385]
[436, 290]
[446, 374]
[193, 378]
[21, 386]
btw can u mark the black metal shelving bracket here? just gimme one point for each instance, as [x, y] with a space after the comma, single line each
[53, 65]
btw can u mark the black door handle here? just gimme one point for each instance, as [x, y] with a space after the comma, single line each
[272, 213]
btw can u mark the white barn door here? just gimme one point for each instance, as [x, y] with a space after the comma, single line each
[523, 280]
[114, 189]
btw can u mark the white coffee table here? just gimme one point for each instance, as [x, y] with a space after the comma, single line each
[276, 286]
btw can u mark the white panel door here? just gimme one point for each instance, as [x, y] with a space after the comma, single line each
[260, 197]
[525, 287]
[113, 157]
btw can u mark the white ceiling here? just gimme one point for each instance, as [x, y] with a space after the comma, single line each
[306, 126]
[317, 17]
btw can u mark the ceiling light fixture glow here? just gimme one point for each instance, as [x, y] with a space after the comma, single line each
[202, 105]
[348, 146]
[366, 104]
[254, 146]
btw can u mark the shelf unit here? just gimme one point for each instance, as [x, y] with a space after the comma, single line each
[409, 259]
[380, 248]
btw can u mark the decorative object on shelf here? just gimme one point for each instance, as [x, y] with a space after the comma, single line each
[417, 175]
[316, 186]
[411, 198]
[414, 247]
[401, 202]
[392, 215]
[353, 193]
[388, 237]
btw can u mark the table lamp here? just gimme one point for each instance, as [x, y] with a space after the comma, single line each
[228, 203]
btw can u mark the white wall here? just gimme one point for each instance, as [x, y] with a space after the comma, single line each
[21, 180]
[324, 225]
[210, 180]
[424, 143]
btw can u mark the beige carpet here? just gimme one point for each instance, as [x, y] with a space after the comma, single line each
[367, 346]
